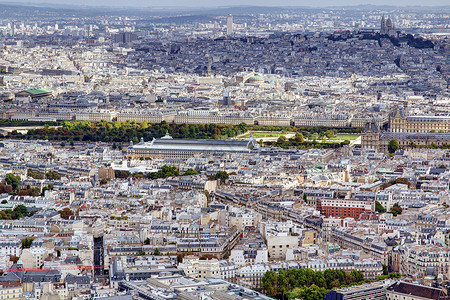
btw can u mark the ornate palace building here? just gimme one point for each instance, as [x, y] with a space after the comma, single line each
[409, 131]
[400, 122]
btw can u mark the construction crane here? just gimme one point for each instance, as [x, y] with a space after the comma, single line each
[74, 267]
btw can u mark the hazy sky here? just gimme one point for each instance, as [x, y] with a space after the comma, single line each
[209, 3]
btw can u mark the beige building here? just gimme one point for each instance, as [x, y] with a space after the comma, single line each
[95, 116]
[145, 116]
[372, 138]
[277, 245]
[33, 257]
[197, 268]
[419, 260]
[104, 173]
[399, 121]
[11, 290]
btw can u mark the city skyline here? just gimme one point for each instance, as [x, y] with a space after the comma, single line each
[218, 3]
[214, 150]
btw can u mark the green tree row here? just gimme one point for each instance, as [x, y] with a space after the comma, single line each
[123, 132]
[299, 142]
[296, 283]
[51, 175]
[166, 171]
[17, 213]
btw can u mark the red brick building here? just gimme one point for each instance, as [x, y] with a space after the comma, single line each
[344, 207]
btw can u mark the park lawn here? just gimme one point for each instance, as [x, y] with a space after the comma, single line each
[344, 137]
[258, 135]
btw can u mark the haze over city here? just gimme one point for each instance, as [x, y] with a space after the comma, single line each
[216, 3]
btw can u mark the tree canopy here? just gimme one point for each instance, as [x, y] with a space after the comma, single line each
[52, 175]
[396, 210]
[379, 208]
[221, 175]
[18, 212]
[307, 284]
[66, 213]
[13, 180]
[35, 174]
[392, 146]
[190, 172]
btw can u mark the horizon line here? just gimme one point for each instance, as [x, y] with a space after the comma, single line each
[180, 7]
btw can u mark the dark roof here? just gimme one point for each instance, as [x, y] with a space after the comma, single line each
[42, 276]
[372, 126]
[11, 276]
[399, 110]
[73, 260]
[417, 290]
[83, 279]
[437, 171]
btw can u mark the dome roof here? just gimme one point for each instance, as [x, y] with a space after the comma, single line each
[257, 77]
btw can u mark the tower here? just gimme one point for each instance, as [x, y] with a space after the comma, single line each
[208, 69]
[370, 137]
[230, 25]
[387, 26]
[226, 98]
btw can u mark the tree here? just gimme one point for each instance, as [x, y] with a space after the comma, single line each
[243, 127]
[299, 138]
[26, 243]
[379, 208]
[396, 210]
[305, 283]
[208, 196]
[13, 180]
[281, 140]
[222, 175]
[4, 201]
[52, 175]
[392, 146]
[66, 213]
[166, 171]
[385, 269]
[21, 210]
[18, 212]
[312, 292]
[35, 174]
[14, 258]
[103, 181]
[269, 283]
[190, 172]
[329, 133]
[5, 189]
[157, 252]
[314, 136]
